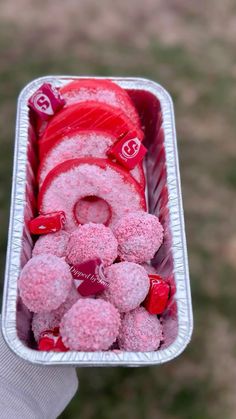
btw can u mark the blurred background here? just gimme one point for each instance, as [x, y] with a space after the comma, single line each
[188, 47]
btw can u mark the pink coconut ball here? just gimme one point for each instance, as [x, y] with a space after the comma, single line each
[139, 236]
[128, 285]
[50, 320]
[54, 243]
[91, 241]
[90, 325]
[44, 283]
[140, 331]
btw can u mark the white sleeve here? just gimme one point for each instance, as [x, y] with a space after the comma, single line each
[33, 392]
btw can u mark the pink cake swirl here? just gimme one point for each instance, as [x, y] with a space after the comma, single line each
[70, 182]
[90, 143]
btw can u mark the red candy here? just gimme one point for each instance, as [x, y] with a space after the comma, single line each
[129, 151]
[47, 223]
[50, 340]
[157, 298]
[46, 101]
[91, 273]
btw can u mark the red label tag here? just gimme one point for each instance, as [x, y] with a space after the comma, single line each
[91, 274]
[157, 298]
[46, 101]
[129, 151]
[47, 223]
[50, 340]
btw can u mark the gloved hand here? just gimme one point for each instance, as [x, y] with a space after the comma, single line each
[30, 391]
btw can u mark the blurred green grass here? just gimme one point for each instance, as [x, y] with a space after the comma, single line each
[201, 79]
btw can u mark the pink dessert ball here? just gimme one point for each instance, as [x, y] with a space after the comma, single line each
[139, 236]
[50, 320]
[92, 241]
[44, 283]
[128, 285]
[54, 243]
[90, 325]
[140, 331]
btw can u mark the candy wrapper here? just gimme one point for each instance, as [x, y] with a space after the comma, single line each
[163, 193]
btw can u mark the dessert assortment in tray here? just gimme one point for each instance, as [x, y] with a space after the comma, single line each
[100, 272]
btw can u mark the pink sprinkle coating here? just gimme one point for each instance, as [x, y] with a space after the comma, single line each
[44, 283]
[128, 285]
[91, 241]
[50, 320]
[140, 331]
[54, 243]
[90, 325]
[139, 236]
[82, 144]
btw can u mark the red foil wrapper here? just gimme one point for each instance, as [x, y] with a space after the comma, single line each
[128, 151]
[46, 101]
[47, 223]
[157, 298]
[50, 340]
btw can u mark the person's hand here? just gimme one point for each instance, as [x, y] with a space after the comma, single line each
[29, 391]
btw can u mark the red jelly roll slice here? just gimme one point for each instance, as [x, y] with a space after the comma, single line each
[77, 184]
[88, 115]
[87, 143]
[102, 91]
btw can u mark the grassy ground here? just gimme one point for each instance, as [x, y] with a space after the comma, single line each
[189, 47]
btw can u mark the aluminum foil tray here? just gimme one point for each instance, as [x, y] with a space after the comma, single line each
[164, 199]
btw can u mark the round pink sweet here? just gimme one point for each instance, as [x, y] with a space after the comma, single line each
[91, 241]
[139, 236]
[90, 325]
[44, 283]
[128, 285]
[54, 243]
[140, 331]
[49, 320]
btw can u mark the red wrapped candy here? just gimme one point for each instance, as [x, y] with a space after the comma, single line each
[46, 101]
[47, 223]
[157, 298]
[50, 340]
[129, 151]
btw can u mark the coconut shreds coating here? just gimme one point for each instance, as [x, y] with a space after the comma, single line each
[53, 243]
[90, 325]
[50, 320]
[91, 241]
[139, 236]
[44, 283]
[140, 331]
[128, 285]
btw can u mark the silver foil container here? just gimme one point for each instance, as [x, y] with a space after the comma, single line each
[164, 199]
